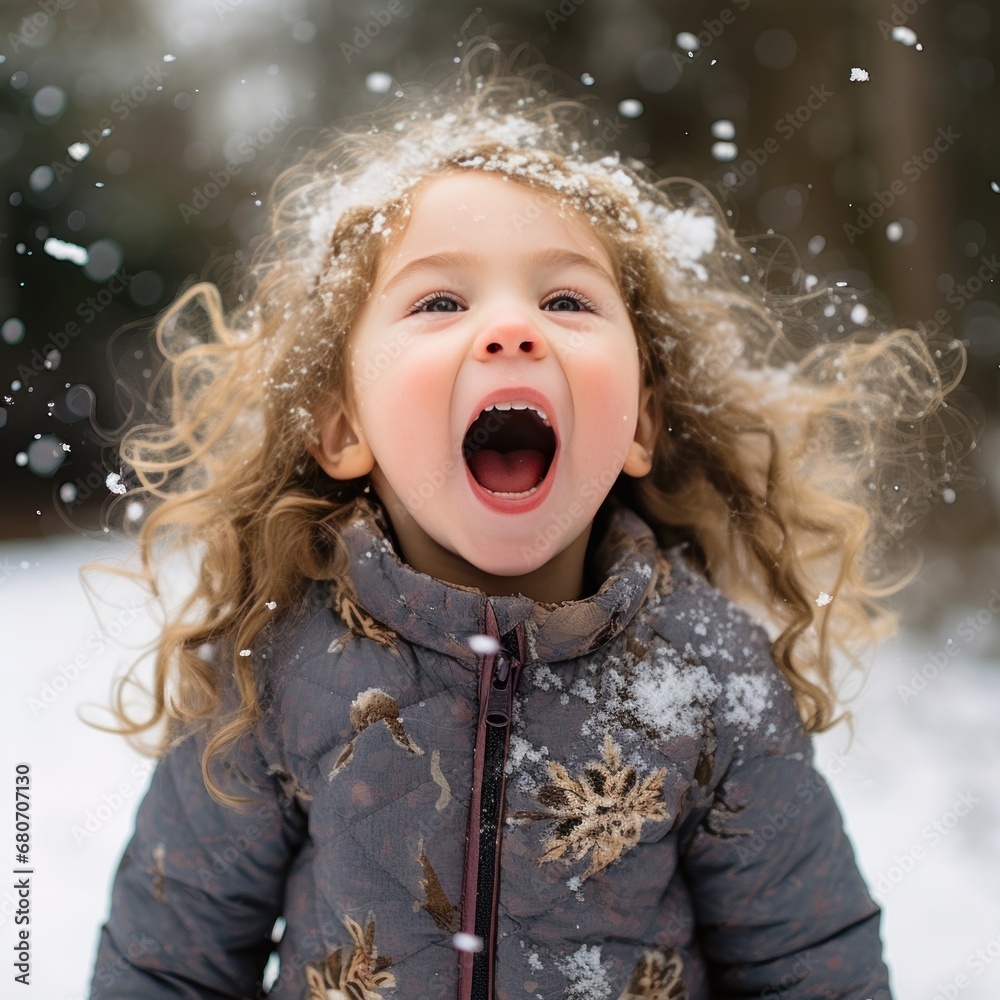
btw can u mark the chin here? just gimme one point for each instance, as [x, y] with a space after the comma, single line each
[515, 554]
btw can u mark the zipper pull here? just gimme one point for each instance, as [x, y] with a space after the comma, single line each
[500, 705]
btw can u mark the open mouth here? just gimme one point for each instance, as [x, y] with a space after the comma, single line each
[509, 449]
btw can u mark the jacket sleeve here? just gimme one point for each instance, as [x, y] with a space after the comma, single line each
[781, 908]
[198, 889]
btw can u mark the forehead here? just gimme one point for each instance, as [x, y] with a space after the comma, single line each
[471, 209]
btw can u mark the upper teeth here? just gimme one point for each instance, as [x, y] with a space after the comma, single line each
[518, 405]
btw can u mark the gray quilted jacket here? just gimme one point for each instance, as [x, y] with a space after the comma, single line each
[612, 799]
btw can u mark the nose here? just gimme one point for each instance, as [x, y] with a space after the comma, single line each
[512, 338]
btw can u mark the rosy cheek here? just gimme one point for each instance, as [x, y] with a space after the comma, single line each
[606, 405]
[608, 376]
[406, 401]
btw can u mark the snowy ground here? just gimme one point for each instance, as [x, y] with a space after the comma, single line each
[919, 783]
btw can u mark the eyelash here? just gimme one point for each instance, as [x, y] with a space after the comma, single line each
[428, 299]
[565, 293]
[569, 293]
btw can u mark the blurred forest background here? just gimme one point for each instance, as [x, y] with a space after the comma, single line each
[138, 139]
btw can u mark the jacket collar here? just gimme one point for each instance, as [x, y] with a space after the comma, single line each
[427, 612]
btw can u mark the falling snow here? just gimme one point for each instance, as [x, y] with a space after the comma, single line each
[482, 644]
[742, 692]
[465, 942]
[62, 250]
[115, 484]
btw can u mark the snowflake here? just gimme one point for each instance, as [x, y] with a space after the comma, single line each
[115, 484]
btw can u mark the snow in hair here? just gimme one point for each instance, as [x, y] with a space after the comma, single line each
[524, 150]
[789, 455]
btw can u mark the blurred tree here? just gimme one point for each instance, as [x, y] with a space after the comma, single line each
[138, 140]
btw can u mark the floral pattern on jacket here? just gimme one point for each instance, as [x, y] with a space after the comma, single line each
[653, 736]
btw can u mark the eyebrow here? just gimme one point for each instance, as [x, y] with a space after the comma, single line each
[463, 259]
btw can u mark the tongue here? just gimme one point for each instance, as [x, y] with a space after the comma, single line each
[513, 472]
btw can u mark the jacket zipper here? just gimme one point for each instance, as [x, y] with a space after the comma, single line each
[498, 677]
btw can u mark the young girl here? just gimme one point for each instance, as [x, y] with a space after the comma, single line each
[458, 708]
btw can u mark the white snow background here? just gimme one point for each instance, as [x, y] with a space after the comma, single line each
[907, 769]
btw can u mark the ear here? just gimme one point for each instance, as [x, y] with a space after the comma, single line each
[639, 460]
[342, 451]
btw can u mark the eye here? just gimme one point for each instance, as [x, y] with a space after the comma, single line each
[436, 302]
[567, 300]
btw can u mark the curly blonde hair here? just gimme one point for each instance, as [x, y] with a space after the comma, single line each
[789, 453]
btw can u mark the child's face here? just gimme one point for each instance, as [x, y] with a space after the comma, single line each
[493, 295]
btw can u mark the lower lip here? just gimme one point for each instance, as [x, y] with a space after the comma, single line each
[507, 505]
